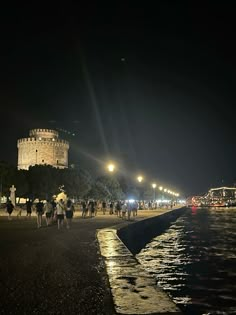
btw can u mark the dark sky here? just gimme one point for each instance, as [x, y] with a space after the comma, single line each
[151, 87]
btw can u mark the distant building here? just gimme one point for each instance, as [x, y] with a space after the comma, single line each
[42, 147]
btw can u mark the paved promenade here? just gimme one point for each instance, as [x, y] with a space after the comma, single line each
[50, 271]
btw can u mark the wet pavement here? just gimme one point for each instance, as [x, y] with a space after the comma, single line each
[50, 271]
[134, 290]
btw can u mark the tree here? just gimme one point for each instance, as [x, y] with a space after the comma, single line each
[21, 183]
[133, 193]
[43, 181]
[124, 185]
[7, 175]
[148, 194]
[77, 183]
[106, 187]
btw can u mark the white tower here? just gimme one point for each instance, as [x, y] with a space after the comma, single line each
[42, 147]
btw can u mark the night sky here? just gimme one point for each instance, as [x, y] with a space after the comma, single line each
[152, 88]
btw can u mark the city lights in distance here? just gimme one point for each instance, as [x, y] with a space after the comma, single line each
[154, 185]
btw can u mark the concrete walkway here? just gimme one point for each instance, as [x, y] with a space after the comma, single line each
[50, 271]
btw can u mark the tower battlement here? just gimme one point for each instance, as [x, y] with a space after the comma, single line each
[43, 133]
[42, 147]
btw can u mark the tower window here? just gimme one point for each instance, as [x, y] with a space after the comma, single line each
[42, 161]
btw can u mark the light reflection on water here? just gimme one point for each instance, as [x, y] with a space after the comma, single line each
[194, 261]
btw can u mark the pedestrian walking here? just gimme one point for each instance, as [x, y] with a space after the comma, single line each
[111, 207]
[134, 208]
[91, 207]
[84, 209]
[123, 210]
[60, 211]
[129, 209]
[69, 213]
[9, 207]
[95, 208]
[28, 208]
[54, 216]
[104, 207]
[118, 208]
[39, 213]
[48, 209]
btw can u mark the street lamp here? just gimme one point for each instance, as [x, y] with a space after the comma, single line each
[111, 167]
[161, 189]
[154, 192]
[140, 179]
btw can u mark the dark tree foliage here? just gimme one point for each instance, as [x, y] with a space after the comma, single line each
[149, 194]
[7, 176]
[43, 181]
[21, 183]
[106, 187]
[133, 193]
[77, 182]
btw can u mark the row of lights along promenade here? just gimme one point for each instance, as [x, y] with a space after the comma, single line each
[111, 168]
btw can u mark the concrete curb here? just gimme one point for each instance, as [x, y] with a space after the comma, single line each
[133, 289]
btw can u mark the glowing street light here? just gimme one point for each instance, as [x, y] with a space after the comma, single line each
[154, 191]
[111, 167]
[160, 188]
[140, 179]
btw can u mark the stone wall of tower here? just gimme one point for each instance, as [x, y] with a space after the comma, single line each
[42, 149]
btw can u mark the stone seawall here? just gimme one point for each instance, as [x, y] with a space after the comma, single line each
[136, 236]
[133, 289]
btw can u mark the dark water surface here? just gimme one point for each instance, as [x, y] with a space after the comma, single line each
[194, 261]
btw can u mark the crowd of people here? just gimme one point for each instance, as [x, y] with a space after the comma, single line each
[54, 211]
[121, 208]
[60, 210]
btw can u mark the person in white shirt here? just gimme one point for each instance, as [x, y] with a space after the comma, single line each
[48, 212]
[60, 211]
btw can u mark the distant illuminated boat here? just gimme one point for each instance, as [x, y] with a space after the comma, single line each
[216, 197]
[221, 197]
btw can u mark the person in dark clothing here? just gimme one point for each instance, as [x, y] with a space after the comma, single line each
[91, 208]
[104, 207]
[39, 212]
[53, 203]
[118, 208]
[84, 209]
[69, 213]
[111, 207]
[28, 208]
[10, 208]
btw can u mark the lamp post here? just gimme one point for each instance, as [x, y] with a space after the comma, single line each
[111, 167]
[140, 178]
[154, 191]
[161, 189]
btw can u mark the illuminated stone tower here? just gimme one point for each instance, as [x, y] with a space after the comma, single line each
[42, 147]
